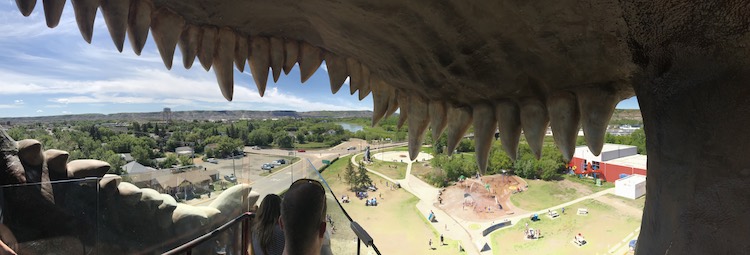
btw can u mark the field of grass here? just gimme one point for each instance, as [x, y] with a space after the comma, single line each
[638, 203]
[394, 170]
[590, 182]
[544, 194]
[396, 225]
[603, 228]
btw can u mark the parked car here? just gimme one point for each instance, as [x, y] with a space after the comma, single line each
[351, 148]
[230, 178]
[281, 161]
[255, 148]
[300, 150]
[275, 163]
[212, 160]
[266, 166]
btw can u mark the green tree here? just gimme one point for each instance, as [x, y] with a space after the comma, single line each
[283, 140]
[185, 160]
[141, 155]
[363, 178]
[169, 161]
[350, 176]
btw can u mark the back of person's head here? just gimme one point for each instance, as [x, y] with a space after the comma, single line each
[267, 216]
[303, 213]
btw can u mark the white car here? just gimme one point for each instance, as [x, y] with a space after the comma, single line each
[212, 160]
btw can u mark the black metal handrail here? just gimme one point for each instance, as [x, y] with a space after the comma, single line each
[188, 247]
[362, 235]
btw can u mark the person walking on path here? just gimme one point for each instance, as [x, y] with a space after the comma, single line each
[430, 244]
[441, 240]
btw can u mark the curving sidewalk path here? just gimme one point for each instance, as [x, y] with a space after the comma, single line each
[458, 229]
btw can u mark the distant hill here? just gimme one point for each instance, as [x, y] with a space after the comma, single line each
[189, 115]
[626, 116]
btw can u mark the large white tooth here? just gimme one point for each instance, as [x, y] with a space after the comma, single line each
[277, 57]
[189, 41]
[461, 118]
[597, 106]
[438, 119]
[336, 71]
[509, 124]
[392, 100]
[355, 74]
[564, 120]
[291, 54]
[310, 58]
[379, 100]
[403, 102]
[85, 11]
[52, 11]
[260, 61]
[364, 87]
[240, 52]
[419, 119]
[223, 62]
[138, 22]
[26, 6]
[166, 27]
[115, 14]
[207, 46]
[484, 133]
[534, 120]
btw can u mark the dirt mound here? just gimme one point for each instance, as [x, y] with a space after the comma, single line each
[487, 198]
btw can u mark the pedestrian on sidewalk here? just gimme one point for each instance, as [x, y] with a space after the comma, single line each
[441, 240]
[430, 244]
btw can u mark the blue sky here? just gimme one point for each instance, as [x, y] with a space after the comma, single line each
[47, 71]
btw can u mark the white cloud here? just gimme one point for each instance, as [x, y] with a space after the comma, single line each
[18, 101]
[39, 111]
[8, 106]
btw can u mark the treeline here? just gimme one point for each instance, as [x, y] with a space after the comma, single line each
[463, 163]
[146, 142]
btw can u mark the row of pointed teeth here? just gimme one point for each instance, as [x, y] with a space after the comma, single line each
[564, 111]
[220, 48]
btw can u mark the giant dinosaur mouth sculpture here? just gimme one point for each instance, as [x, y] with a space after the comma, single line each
[529, 104]
[510, 65]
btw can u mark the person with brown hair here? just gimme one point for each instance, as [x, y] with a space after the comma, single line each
[303, 217]
[268, 237]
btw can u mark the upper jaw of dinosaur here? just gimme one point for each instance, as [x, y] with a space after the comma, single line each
[444, 64]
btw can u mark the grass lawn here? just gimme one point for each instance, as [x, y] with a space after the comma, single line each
[638, 203]
[395, 224]
[603, 228]
[544, 194]
[590, 182]
[394, 170]
[424, 149]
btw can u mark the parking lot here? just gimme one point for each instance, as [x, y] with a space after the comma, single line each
[248, 168]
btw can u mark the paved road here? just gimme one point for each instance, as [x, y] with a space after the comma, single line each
[280, 180]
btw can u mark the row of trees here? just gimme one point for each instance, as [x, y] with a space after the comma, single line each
[450, 168]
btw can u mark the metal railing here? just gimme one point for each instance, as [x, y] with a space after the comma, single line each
[245, 218]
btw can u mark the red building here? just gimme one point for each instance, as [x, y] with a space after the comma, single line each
[614, 162]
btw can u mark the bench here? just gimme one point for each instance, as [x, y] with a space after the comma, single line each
[583, 211]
